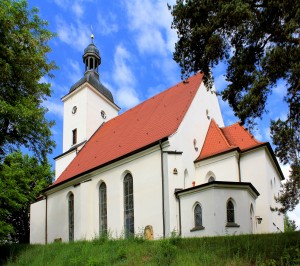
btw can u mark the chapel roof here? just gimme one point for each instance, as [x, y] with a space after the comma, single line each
[220, 140]
[147, 123]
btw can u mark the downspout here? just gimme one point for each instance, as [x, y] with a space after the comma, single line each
[46, 221]
[163, 188]
[179, 206]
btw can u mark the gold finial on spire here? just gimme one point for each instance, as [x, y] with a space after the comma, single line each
[92, 35]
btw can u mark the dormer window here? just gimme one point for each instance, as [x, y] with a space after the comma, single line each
[74, 138]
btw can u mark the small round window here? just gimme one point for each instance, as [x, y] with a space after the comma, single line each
[103, 114]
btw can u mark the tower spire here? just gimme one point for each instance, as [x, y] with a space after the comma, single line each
[91, 59]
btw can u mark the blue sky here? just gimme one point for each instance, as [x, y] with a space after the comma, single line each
[136, 45]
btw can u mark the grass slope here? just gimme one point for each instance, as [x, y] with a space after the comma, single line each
[266, 250]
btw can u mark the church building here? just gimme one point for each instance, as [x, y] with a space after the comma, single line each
[167, 165]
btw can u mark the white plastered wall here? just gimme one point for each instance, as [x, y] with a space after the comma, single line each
[194, 125]
[87, 119]
[62, 162]
[223, 168]
[146, 173]
[257, 167]
[38, 222]
[213, 202]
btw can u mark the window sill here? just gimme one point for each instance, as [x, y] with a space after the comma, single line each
[232, 225]
[197, 228]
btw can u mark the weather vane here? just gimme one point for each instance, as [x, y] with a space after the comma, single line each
[92, 35]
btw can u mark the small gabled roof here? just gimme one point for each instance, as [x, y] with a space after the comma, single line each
[155, 119]
[220, 140]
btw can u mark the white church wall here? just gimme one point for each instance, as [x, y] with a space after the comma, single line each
[58, 217]
[274, 191]
[256, 167]
[38, 222]
[62, 162]
[87, 118]
[75, 120]
[223, 168]
[146, 173]
[213, 201]
[96, 104]
[189, 139]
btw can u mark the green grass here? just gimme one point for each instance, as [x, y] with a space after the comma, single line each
[266, 250]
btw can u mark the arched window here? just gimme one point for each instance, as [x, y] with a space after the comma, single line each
[211, 179]
[102, 210]
[198, 215]
[71, 217]
[128, 205]
[230, 212]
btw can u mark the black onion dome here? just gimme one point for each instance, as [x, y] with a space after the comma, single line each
[91, 49]
[92, 60]
[96, 84]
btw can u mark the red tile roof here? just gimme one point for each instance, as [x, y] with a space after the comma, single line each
[220, 140]
[143, 125]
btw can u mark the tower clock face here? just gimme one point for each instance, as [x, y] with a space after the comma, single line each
[74, 110]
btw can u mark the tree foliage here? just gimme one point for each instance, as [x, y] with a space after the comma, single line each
[23, 62]
[259, 41]
[289, 225]
[22, 179]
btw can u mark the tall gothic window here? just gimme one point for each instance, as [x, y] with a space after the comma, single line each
[71, 217]
[128, 205]
[198, 215]
[102, 210]
[230, 212]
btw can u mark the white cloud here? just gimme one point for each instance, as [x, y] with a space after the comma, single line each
[127, 97]
[123, 73]
[257, 135]
[76, 6]
[151, 22]
[107, 24]
[55, 108]
[74, 71]
[124, 78]
[220, 83]
[280, 89]
[75, 35]
[77, 9]
[227, 113]
[295, 215]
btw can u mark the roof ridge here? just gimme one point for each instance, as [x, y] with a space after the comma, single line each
[222, 134]
[239, 123]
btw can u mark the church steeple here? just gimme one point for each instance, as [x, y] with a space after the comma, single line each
[91, 59]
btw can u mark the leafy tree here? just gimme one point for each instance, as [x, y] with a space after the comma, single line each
[22, 179]
[289, 225]
[259, 41]
[23, 62]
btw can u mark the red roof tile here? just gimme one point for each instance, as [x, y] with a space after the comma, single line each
[220, 140]
[148, 122]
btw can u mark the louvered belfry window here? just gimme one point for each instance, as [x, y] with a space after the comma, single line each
[128, 206]
[102, 209]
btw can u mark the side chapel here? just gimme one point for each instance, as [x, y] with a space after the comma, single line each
[168, 164]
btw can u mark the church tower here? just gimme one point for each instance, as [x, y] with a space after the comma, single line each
[87, 105]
